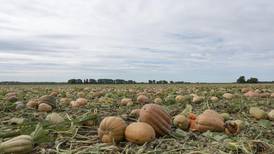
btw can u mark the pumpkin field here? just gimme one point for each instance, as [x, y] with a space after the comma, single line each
[137, 118]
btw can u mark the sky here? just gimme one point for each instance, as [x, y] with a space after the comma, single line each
[180, 40]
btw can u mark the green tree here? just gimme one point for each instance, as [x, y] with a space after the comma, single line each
[241, 79]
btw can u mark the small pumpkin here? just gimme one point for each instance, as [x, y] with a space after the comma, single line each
[142, 99]
[157, 117]
[179, 99]
[11, 97]
[214, 99]
[65, 101]
[54, 94]
[54, 118]
[139, 133]
[271, 115]
[43, 107]
[32, 104]
[228, 95]
[50, 100]
[197, 99]
[233, 127]
[20, 144]
[226, 116]
[181, 122]
[209, 120]
[112, 129]
[251, 94]
[158, 100]
[257, 113]
[126, 101]
[135, 113]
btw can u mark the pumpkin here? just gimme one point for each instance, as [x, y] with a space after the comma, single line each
[228, 95]
[43, 107]
[179, 99]
[112, 129]
[226, 116]
[233, 127]
[135, 113]
[257, 113]
[180, 121]
[11, 97]
[157, 117]
[214, 99]
[81, 94]
[20, 144]
[81, 101]
[265, 95]
[126, 102]
[271, 115]
[197, 99]
[142, 99]
[272, 95]
[54, 118]
[158, 100]
[65, 101]
[247, 89]
[209, 120]
[32, 104]
[251, 94]
[139, 133]
[50, 100]
[54, 94]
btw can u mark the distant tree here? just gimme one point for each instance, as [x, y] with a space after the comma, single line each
[162, 82]
[72, 81]
[120, 81]
[171, 82]
[241, 79]
[150, 81]
[92, 81]
[79, 81]
[252, 80]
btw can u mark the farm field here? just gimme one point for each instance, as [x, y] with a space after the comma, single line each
[79, 110]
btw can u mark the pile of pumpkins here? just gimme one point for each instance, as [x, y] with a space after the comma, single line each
[154, 122]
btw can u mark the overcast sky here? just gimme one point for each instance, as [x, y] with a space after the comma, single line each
[189, 40]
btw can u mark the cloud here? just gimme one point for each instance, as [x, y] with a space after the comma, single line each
[206, 40]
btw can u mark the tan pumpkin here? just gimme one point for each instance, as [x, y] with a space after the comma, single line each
[197, 99]
[54, 94]
[257, 113]
[271, 115]
[50, 100]
[157, 117]
[272, 95]
[181, 122]
[43, 107]
[139, 133]
[214, 99]
[32, 104]
[209, 120]
[228, 95]
[112, 129]
[54, 118]
[126, 102]
[142, 99]
[158, 100]
[251, 94]
[179, 99]
[65, 101]
[11, 97]
[135, 113]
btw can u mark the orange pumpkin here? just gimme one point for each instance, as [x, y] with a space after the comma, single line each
[139, 133]
[209, 120]
[112, 129]
[157, 117]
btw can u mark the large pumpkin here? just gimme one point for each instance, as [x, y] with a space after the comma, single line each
[209, 120]
[112, 129]
[139, 133]
[157, 117]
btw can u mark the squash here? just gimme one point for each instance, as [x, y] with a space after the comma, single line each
[158, 100]
[17, 145]
[139, 133]
[32, 104]
[112, 129]
[214, 99]
[54, 94]
[142, 99]
[257, 113]
[179, 99]
[209, 120]
[180, 121]
[251, 94]
[226, 116]
[233, 127]
[50, 100]
[228, 95]
[11, 97]
[157, 117]
[43, 107]
[271, 115]
[65, 101]
[135, 113]
[78, 103]
[197, 99]
[54, 118]
[126, 102]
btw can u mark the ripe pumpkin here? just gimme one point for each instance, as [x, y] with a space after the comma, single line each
[209, 120]
[197, 99]
[157, 117]
[179, 99]
[135, 113]
[126, 102]
[214, 99]
[50, 100]
[139, 133]
[54, 118]
[158, 100]
[32, 104]
[181, 122]
[20, 144]
[271, 115]
[11, 97]
[251, 94]
[43, 107]
[228, 95]
[257, 113]
[112, 129]
[142, 99]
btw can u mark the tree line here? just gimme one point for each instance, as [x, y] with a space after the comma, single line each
[242, 79]
[120, 81]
